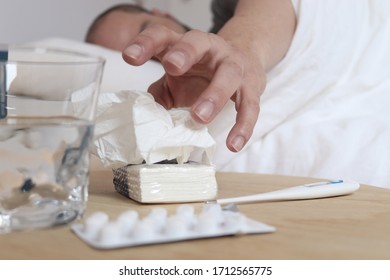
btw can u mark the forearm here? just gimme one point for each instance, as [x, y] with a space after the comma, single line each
[261, 28]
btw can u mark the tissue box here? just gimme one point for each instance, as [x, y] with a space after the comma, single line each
[166, 183]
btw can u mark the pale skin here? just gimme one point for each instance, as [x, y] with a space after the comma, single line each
[204, 71]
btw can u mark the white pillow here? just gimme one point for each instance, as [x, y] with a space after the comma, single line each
[118, 75]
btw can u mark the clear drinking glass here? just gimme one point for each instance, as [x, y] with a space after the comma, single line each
[48, 99]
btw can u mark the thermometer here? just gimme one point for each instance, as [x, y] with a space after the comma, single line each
[307, 191]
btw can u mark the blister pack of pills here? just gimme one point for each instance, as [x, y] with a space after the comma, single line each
[129, 229]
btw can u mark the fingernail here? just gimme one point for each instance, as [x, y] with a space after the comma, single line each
[205, 110]
[134, 51]
[238, 143]
[176, 58]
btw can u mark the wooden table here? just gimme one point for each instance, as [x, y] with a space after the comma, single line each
[356, 226]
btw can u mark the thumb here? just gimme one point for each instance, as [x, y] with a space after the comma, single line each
[161, 93]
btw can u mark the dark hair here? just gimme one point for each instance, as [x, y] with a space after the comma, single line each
[131, 8]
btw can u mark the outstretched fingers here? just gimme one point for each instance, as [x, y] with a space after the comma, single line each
[247, 115]
[226, 81]
[152, 42]
[247, 102]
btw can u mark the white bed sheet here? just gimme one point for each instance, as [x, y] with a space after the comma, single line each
[324, 113]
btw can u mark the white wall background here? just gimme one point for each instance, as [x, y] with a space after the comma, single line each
[29, 20]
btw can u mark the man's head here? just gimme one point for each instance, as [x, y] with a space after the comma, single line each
[117, 26]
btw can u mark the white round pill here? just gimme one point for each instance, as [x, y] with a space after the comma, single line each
[158, 213]
[127, 221]
[213, 210]
[177, 227]
[207, 224]
[187, 212]
[94, 223]
[144, 230]
[158, 216]
[110, 234]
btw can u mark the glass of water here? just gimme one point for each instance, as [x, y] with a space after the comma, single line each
[48, 99]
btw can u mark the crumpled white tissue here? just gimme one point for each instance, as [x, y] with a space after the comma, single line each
[131, 128]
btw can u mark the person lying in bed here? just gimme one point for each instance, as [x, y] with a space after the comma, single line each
[115, 27]
[205, 70]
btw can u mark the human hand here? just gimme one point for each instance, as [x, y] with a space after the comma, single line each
[203, 71]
